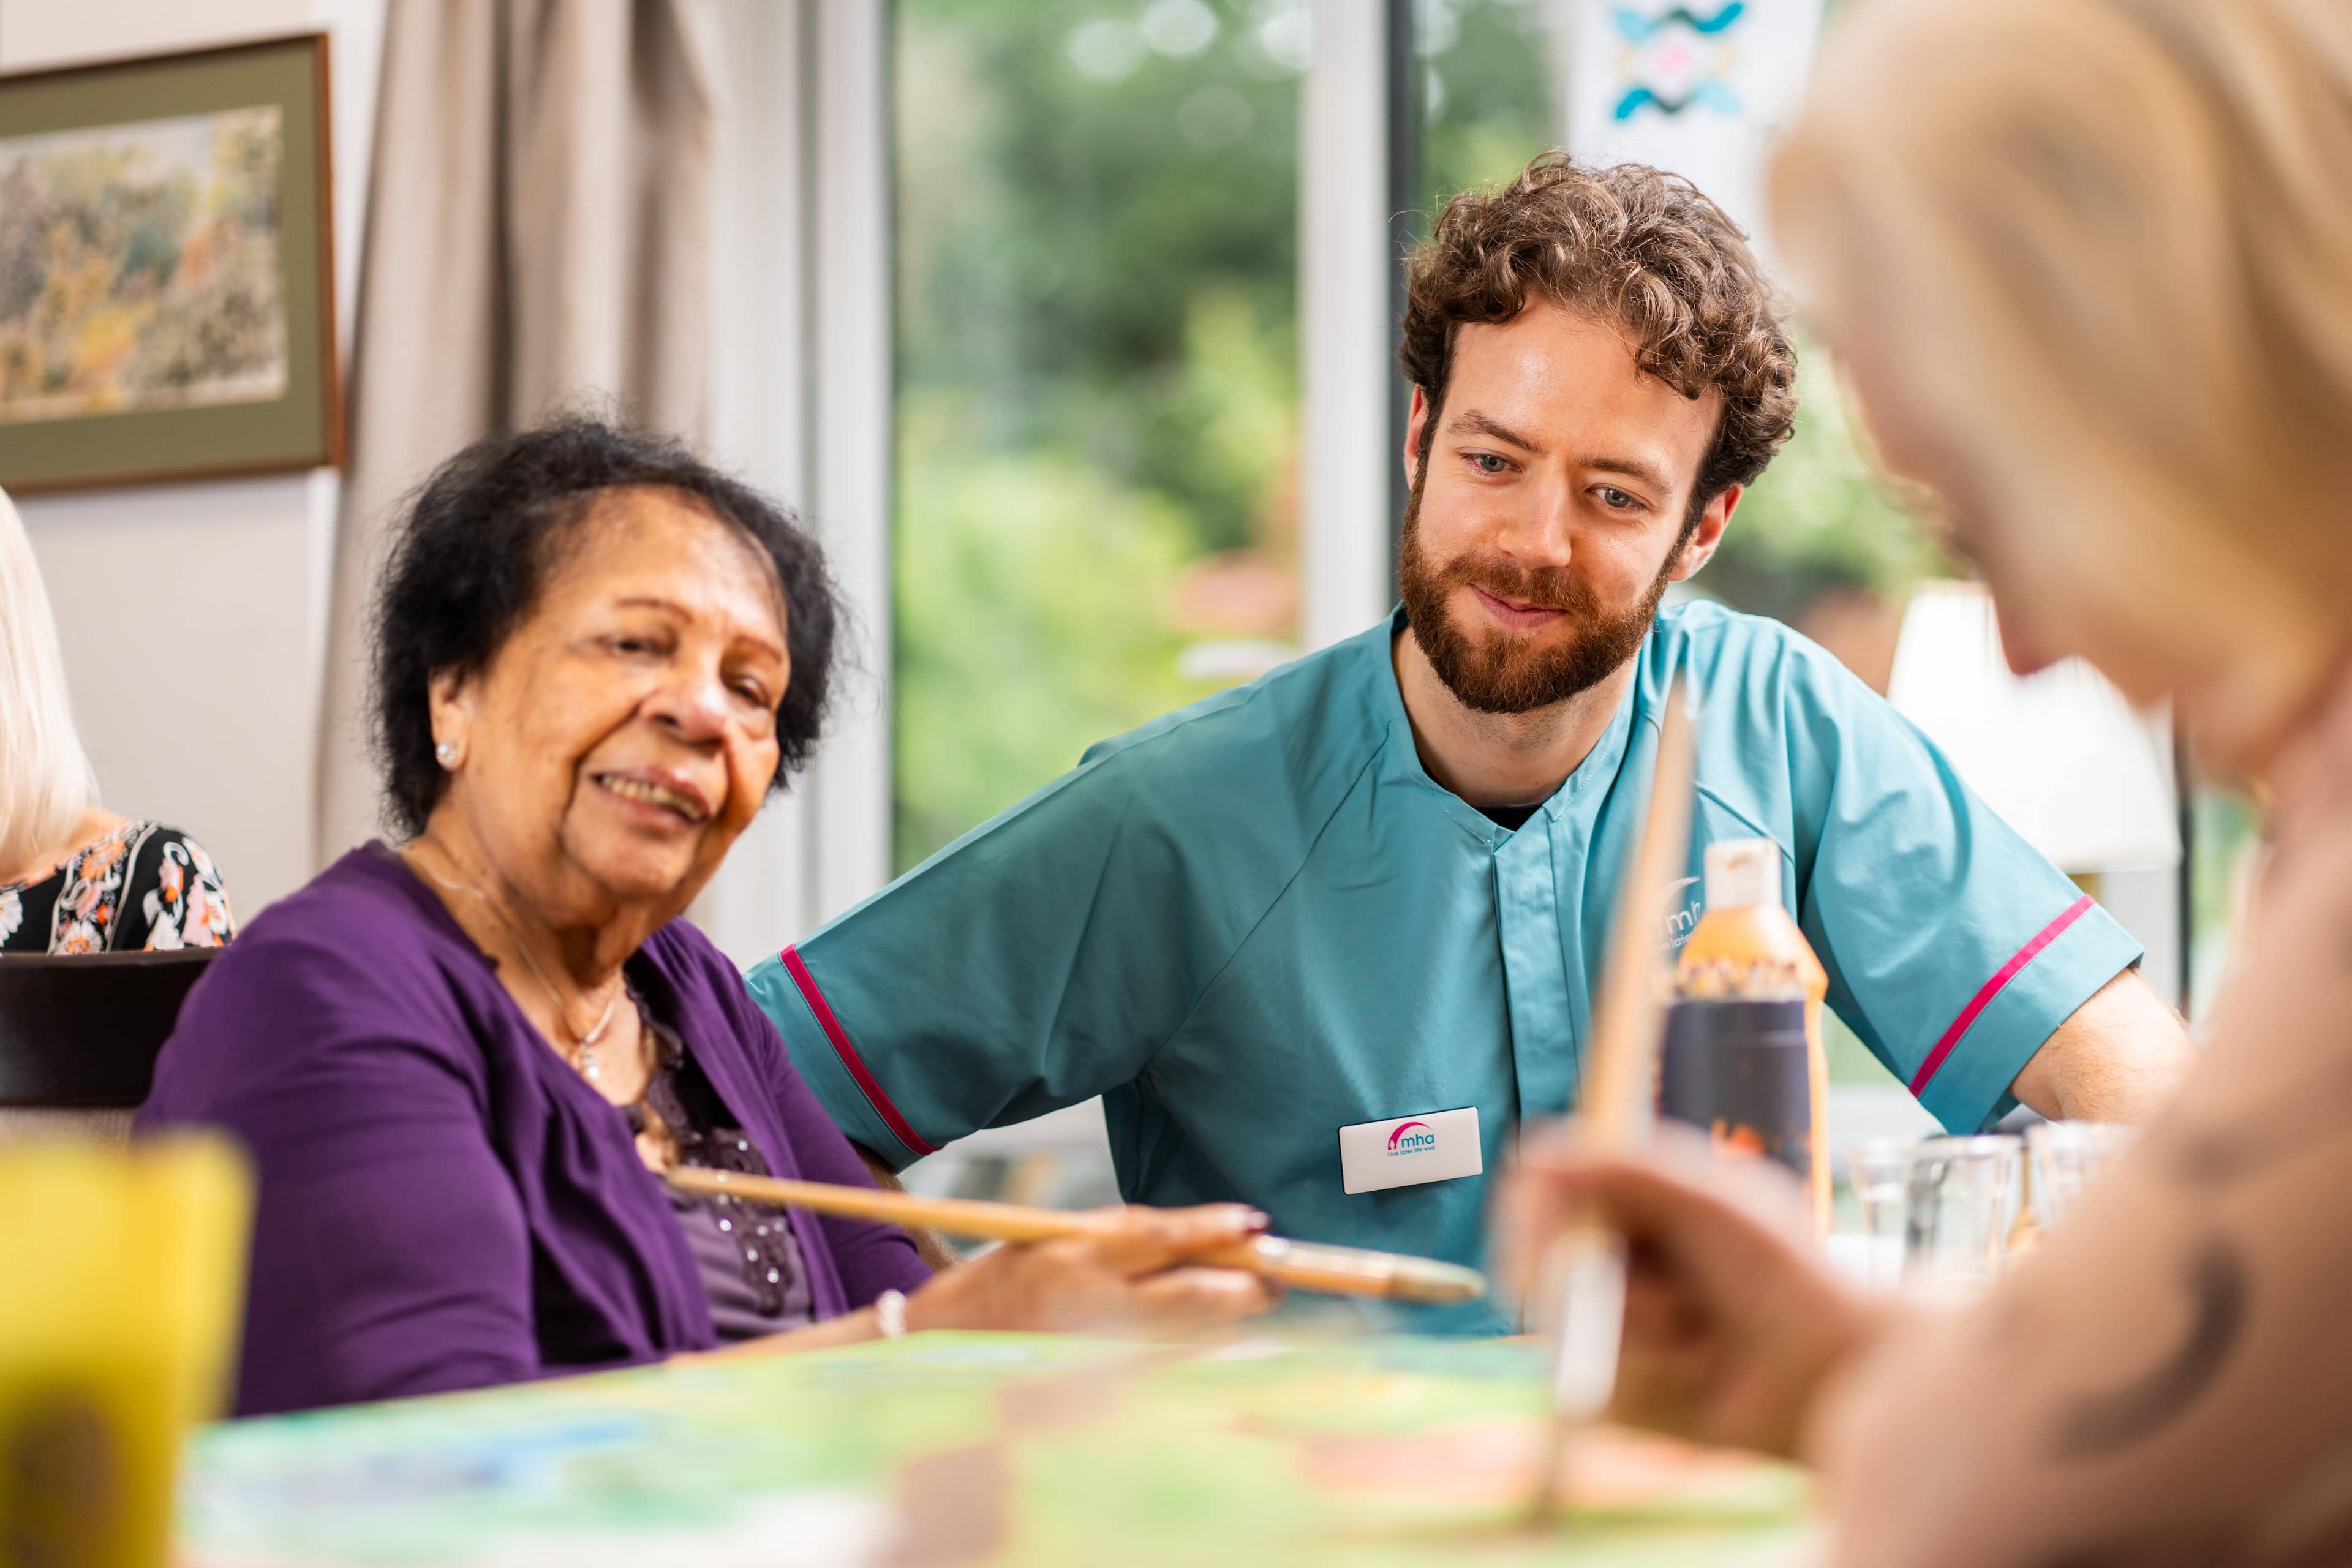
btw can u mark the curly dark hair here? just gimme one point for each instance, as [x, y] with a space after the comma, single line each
[1633, 245]
[479, 540]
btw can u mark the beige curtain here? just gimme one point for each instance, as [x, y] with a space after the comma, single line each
[538, 233]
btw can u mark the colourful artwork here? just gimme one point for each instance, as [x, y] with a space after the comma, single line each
[984, 1448]
[140, 267]
[166, 268]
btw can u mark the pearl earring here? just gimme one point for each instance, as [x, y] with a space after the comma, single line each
[445, 754]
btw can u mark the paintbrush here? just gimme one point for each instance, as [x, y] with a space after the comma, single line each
[1585, 1268]
[1301, 1265]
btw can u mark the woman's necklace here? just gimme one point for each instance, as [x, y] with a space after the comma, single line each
[584, 1045]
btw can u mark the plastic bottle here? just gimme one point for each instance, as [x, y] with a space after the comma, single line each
[1747, 944]
[1737, 1068]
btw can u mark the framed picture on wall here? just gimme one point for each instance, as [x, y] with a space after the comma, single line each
[166, 268]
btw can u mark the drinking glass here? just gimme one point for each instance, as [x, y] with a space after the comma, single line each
[1880, 1170]
[2066, 1156]
[1961, 1197]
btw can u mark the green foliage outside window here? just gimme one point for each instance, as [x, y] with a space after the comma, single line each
[1098, 378]
[1822, 521]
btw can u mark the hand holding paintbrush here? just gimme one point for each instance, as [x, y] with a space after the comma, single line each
[1739, 1322]
[1585, 1267]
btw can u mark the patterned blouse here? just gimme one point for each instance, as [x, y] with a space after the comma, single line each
[144, 886]
[750, 1264]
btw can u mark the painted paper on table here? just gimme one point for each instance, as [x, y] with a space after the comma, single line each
[985, 1448]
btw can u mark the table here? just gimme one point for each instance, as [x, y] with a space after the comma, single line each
[982, 1448]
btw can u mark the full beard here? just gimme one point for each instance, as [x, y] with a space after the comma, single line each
[1498, 672]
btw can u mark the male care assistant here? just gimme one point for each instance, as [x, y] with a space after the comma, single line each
[1270, 940]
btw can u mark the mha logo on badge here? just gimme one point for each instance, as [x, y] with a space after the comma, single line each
[1444, 1145]
[1412, 1138]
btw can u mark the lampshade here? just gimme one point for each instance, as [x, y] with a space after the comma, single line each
[2059, 753]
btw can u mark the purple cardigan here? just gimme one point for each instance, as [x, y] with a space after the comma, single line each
[445, 1202]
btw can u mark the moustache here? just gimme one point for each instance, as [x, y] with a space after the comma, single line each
[1542, 587]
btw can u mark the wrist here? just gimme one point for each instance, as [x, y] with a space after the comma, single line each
[923, 1312]
[1836, 1372]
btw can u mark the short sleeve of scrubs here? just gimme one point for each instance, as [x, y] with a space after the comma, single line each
[1954, 948]
[1042, 959]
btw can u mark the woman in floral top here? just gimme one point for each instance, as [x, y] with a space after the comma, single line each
[138, 885]
[74, 876]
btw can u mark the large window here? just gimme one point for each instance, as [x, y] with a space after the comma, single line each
[1097, 398]
[1098, 383]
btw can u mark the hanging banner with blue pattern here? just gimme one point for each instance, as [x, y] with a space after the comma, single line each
[1699, 89]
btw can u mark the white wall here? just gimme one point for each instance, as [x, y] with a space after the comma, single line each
[193, 614]
[2147, 905]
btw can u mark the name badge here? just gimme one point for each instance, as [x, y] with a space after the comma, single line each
[1406, 1151]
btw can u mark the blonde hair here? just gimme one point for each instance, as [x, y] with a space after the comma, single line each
[46, 784]
[2106, 245]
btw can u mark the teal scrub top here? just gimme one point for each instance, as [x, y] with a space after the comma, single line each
[1258, 920]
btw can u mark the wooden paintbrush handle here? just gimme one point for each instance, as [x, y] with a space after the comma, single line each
[1305, 1266]
[957, 1217]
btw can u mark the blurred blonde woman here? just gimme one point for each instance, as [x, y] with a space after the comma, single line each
[74, 876]
[2089, 266]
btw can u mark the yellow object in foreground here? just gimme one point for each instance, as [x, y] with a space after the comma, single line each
[126, 1278]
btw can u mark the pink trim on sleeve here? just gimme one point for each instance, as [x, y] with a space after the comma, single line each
[848, 1054]
[1992, 988]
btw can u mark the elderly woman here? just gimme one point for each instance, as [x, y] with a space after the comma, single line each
[75, 876]
[2090, 265]
[460, 1064]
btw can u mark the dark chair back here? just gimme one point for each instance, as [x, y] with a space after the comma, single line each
[81, 1034]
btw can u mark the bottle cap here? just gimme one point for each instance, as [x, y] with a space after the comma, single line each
[1742, 872]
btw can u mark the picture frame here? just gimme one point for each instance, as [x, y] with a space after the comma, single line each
[167, 300]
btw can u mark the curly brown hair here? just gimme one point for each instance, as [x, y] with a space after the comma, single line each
[1633, 245]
